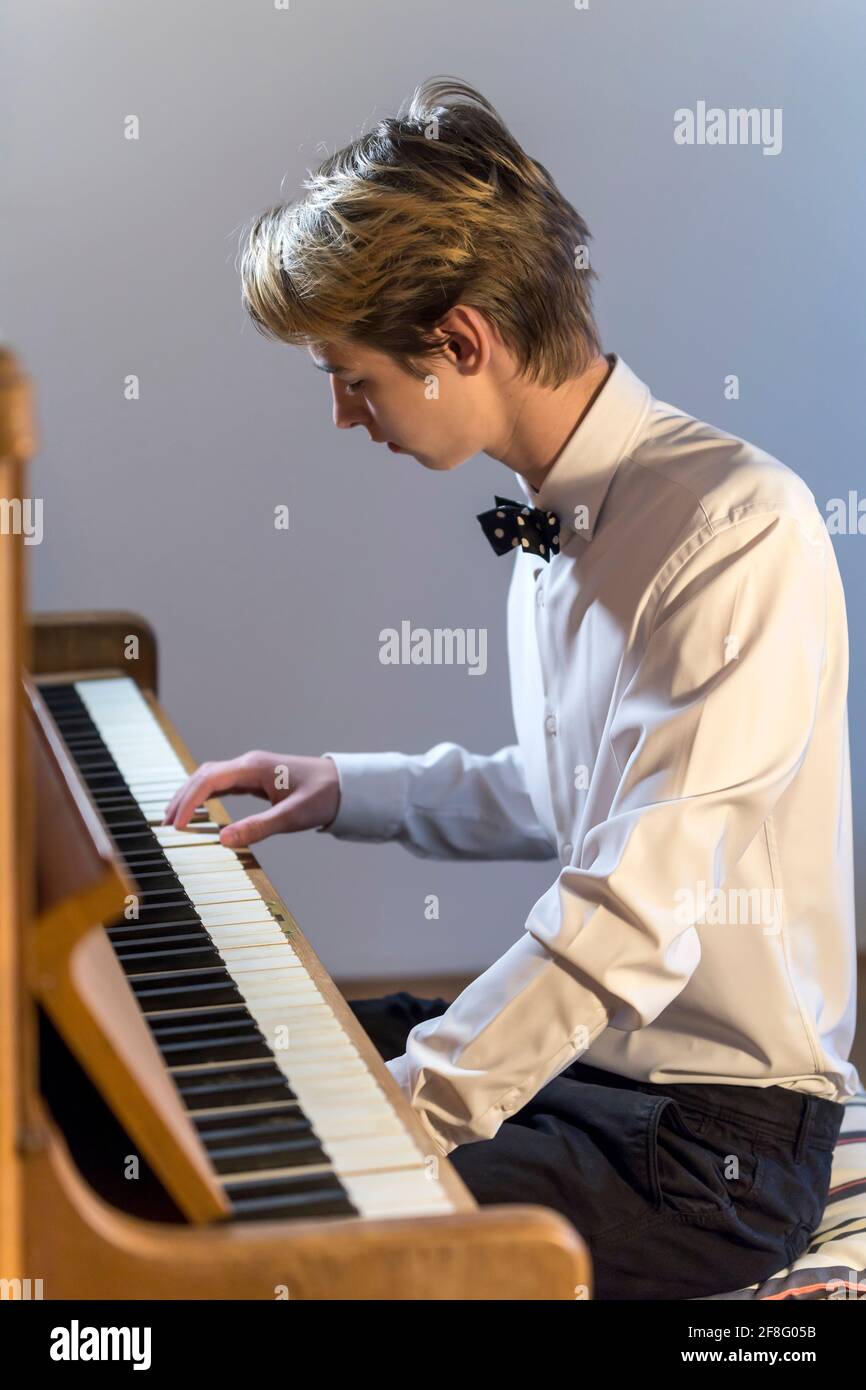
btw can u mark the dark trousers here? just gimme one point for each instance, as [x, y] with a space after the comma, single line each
[679, 1191]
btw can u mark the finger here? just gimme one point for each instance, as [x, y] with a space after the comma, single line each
[204, 782]
[257, 827]
[173, 804]
[185, 801]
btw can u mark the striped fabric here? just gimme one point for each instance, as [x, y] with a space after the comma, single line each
[834, 1264]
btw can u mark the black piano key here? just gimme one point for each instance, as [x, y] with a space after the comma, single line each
[220, 1088]
[271, 1199]
[102, 780]
[132, 840]
[181, 959]
[117, 815]
[124, 821]
[295, 1208]
[114, 801]
[73, 725]
[246, 1047]
[150, 882]
[160, 940]
[200, 1023]
[153, 852]
[268, 1120]
[137, 933]
[286, 1153]
[164, 909]
[156, 919]
[220, 1036]
[186, 991]
[95, 761]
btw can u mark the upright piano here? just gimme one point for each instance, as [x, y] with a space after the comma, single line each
[188, 1107]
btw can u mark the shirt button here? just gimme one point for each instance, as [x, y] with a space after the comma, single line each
[550, 723]
[567, 850]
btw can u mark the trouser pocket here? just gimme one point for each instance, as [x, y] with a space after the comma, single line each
[702, 1165]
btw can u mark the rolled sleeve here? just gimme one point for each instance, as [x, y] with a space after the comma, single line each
[511, 1031]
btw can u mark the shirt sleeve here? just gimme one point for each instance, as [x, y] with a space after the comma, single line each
[708, 729]
[442, 804]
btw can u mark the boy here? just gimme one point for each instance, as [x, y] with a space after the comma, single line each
[662, 1053]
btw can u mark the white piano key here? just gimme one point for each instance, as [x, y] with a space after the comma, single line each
[361, 1155]
[190, 859]
[406, 1193]
[206, 833]
[259, 935]
[228, 878]
[235, 912]
[280, 986]
[234, 895]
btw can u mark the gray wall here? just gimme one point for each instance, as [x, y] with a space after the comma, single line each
[119, 259]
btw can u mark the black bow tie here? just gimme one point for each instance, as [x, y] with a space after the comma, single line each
[511, 524]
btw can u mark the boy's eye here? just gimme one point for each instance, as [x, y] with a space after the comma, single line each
[353, 385]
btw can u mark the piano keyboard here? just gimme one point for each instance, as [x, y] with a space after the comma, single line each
[293, 1121]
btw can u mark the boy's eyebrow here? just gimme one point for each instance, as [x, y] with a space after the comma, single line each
[329, 367]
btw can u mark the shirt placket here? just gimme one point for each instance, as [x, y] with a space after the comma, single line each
[550, 714]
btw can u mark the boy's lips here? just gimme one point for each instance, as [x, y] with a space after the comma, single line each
[395, 448]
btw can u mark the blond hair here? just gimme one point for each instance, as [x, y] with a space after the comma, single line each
[436, 206]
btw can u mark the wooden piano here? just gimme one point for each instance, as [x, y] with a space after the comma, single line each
[188, 1107]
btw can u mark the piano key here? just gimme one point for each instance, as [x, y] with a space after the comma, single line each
[219, 898]
[207, 833]
[397, 1193]
[257, 911]
[271, 1200]
[233, 1087]
[196, 991]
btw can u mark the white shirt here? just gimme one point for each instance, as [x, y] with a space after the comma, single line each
[678, 677]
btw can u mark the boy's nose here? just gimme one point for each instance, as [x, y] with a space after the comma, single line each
[348, 412]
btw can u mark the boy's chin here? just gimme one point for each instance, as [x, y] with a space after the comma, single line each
[439, 464]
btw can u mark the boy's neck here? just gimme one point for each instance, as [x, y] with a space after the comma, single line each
[547, 418]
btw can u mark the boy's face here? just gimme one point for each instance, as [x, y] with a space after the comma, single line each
[441, 420]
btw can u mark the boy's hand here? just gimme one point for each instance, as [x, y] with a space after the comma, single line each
[304, 794]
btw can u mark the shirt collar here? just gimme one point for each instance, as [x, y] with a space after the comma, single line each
[585, 465]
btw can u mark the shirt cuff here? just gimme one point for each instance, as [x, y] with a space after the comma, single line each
[374, 789]
[398, 1067]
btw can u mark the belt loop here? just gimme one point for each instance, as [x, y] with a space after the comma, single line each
[805, 1124]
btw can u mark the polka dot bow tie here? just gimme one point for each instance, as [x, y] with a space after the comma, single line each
[511, 524]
